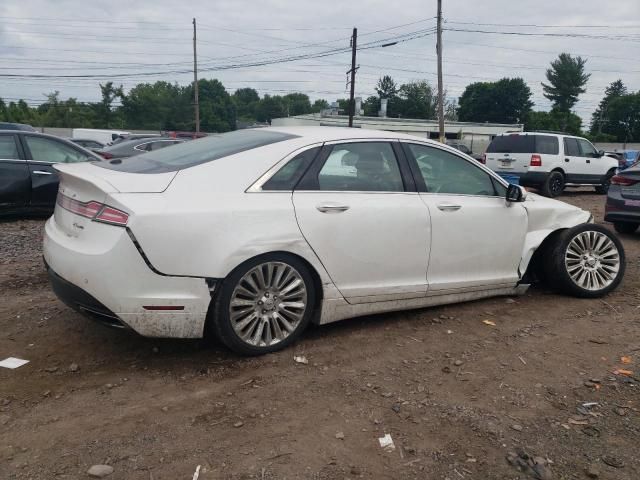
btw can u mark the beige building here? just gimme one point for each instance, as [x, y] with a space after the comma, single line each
[476, 136]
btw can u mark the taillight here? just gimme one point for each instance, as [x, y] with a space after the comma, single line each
[105, 155]
[624, 181]
[96, 211]
[536, 161]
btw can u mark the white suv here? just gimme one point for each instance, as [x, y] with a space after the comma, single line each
[549, 161]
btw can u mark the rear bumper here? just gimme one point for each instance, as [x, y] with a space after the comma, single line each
[533, 179]
[627, 217]
[110, 279]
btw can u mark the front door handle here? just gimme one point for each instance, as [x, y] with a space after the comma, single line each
[449, 207]
[332, 208]
[41, 172]
[588, 161]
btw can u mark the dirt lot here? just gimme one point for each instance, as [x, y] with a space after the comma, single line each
[456, 395]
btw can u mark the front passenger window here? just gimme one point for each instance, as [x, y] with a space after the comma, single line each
[361, 167]
[444, 172]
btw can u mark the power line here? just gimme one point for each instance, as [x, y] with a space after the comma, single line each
[637, 25]
[548, 34]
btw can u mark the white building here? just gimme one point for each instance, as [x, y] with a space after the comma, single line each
[476, 136]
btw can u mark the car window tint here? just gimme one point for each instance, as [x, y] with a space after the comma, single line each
[546, 145]
[512, 144]
[287, 177]
[444, 172]
[361, 167]
[586, 149]
[571, 148]
[8, 147]
[48, 150]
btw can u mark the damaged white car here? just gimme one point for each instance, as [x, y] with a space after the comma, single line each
[251, 235]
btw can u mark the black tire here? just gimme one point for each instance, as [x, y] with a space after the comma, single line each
[557, 272]
[554, 185]
[219, 319]
[604, 187]
[625, 227]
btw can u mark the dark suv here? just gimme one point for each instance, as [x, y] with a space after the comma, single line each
[28, 181]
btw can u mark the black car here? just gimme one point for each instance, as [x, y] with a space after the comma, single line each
[28, 181]
[16, 126]
[130, 148]
[623, 200]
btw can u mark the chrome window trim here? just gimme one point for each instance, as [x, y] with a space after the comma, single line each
[13, 160]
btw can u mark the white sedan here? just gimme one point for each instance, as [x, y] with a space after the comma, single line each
[251, 235]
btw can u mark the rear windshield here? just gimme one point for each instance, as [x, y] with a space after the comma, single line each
[196, 152]
[542, 144]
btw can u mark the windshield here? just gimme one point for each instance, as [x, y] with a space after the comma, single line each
[196, 152]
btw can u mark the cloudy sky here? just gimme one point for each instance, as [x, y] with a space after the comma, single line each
[144, 41]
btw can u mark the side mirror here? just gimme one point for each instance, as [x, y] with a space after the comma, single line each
[516, 193]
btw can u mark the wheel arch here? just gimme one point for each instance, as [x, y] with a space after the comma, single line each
[532, 267]
[559, 170]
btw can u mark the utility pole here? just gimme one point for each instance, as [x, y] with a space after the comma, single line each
[352, 102]
[195, 79]
[440, 87]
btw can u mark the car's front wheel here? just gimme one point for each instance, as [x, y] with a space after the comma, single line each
[554, 185]
[625, 227]
[264, 305]
[586, 261]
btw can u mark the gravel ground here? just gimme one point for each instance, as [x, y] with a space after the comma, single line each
[460, 399]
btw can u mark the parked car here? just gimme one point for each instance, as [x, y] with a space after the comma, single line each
[253, 234]
[130, 148]
[28, 181]
[16, 126]
[623, 200]
[87, 143]
[104, 136]
[630, 157]
[134, 136]
[185, 135]
[550, 162]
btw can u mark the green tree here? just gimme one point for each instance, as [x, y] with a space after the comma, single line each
[157, 106]
[217, 111]
[417, 100]
[271, 107]
[246, 101]
[598, 119]
[566, 79]
[297, 103]
[4, 113]
[387, 88]
[319, 105]
[371, 106]
[555, 120]
[104, 113]
[623, 118]
[506, 101]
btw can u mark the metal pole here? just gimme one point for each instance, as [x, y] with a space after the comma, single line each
[195, 79]
[440, 87]
[352, 103]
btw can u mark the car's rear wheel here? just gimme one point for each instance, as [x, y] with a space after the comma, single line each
[554, 185]
[625, 227]
[264, 305]
[586, 261]
[604, 187]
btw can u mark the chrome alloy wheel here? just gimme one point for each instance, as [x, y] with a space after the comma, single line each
[268, 304]
[592, 260]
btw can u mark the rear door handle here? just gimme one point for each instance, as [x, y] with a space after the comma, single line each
[41, 172]
[449, 207]
[566, 159]
[332, 208]
[588, 161]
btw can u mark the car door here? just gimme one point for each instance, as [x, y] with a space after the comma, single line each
[477, 237]
[575, 165]
[42, 153]
[595, 166]
[358, 209]
[15, 183]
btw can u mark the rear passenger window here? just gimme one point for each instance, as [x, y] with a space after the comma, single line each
[571, 148]
[547, 145]
[8, 147]
[361, 167]
[287, 177]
